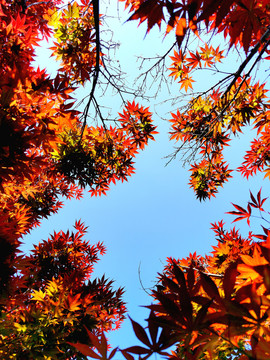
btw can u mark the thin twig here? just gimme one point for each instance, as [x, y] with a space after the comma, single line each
[140, 280]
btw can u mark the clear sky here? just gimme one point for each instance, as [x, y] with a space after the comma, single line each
[154, 215]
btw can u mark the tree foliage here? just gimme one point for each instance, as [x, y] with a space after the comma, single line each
[55, 297]
[211, 307]
[216, 306]
[48, 151]
[211, 118]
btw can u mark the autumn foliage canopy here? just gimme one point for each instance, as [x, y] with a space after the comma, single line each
[211, 307]
[47, 151]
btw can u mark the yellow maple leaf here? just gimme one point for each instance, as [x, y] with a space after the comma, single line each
[38, 295]
[53, 16]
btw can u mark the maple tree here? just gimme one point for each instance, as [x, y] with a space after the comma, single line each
[211, 307]
[55, 296]
[49, 151]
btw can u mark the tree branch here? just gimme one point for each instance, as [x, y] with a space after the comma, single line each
[95, 4]
[250, 56]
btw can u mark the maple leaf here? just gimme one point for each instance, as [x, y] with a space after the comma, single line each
[150, 10]
[159, 341]
[243, 214]
[186, 82]
[247, 23]
[73, 302]
[38, 295]
[257, 203]
[211, 7]
[194, 60]
[99, 343]
[178, 57]
[85, 350]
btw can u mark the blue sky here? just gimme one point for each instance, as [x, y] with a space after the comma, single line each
[155, 214]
